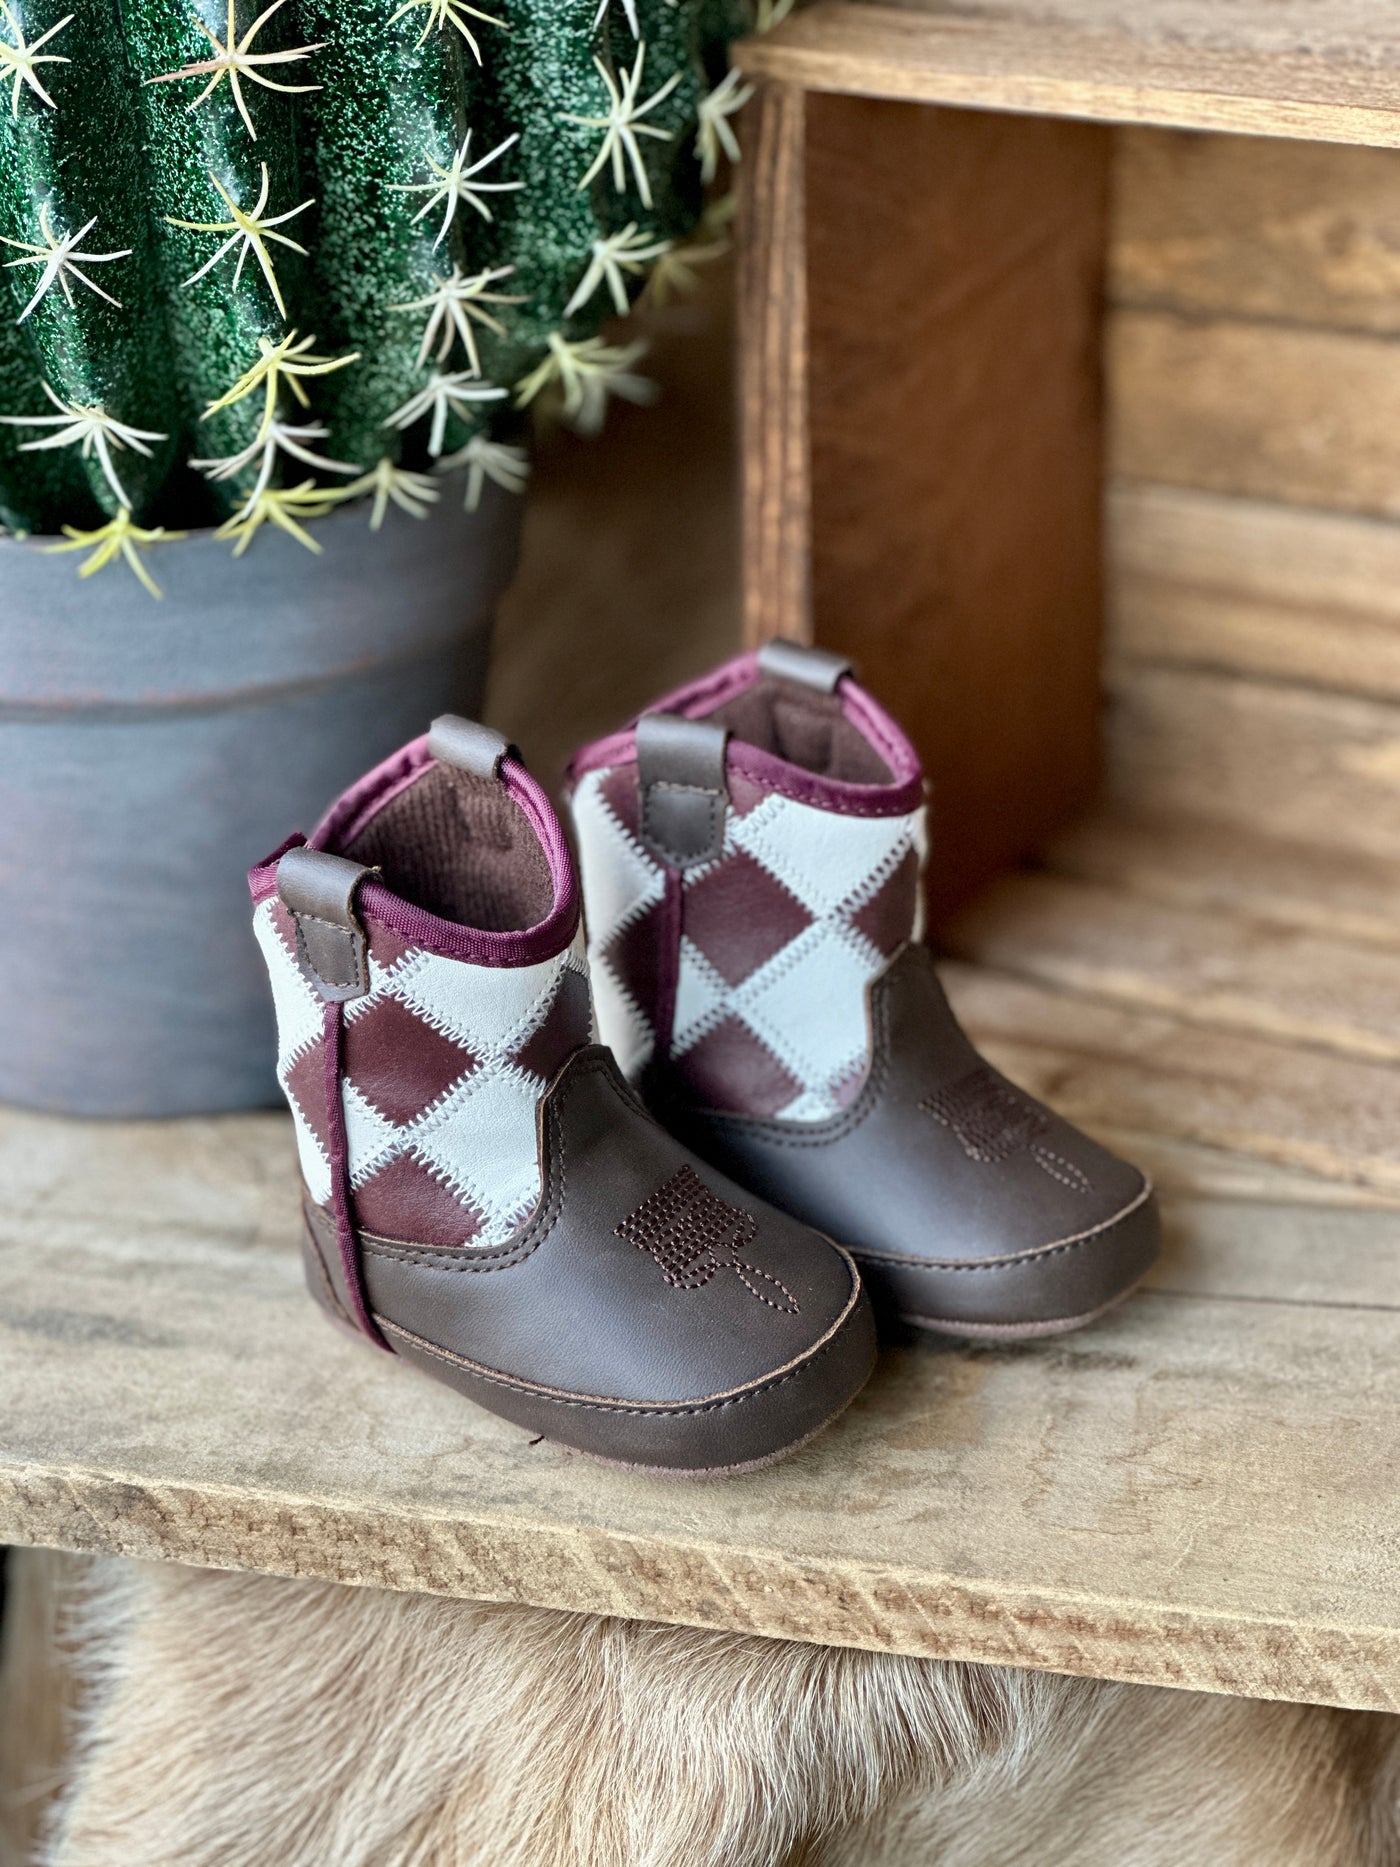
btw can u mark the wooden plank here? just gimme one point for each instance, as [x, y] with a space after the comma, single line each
[1229, 972]
[1109, 1065]
[1226, 868]
[1183, 66]
[1304, 416]
[1315, 768]
[1197, 1493]
[954, 274]
[1255, 588]
[1295, 232]
[1285, 1253]
[1191, 1170]
[775, 478]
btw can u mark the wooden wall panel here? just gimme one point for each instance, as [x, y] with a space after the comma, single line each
[1290, 762]
[1302, 233]
[1308, 417]
[1256, 588]
[1254, 552]
[954, 294]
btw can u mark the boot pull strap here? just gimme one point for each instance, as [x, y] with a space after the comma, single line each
[318, 891]
[468, 746]
[809, 667]
[683, 794]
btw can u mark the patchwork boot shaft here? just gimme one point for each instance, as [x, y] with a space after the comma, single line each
[751, 854]
[434, 1068]
[484, 1195]
[738, 912]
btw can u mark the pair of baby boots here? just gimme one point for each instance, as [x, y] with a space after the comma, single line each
[646, 1192]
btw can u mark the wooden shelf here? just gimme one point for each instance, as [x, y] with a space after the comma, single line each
[1180, 64]
[1199, 1492]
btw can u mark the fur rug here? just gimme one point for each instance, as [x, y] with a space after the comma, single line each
[243, 1721]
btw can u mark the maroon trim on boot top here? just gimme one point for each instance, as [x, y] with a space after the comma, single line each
[349, 814]
[332, 1027]
[904, 793]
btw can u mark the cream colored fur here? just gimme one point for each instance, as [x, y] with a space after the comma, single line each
[239, 1721]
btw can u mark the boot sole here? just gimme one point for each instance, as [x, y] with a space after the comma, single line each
[851, 1342]
[707, 1474]
[1017, 1331]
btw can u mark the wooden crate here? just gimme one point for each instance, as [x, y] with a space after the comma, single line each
[974, 303]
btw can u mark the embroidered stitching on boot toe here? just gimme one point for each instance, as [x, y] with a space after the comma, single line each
[692, 1233]
[992, 1120]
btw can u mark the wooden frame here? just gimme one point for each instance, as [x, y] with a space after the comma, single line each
[921, 311]
[920, 308]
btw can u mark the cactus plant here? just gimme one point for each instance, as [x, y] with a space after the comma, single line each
[258, 260]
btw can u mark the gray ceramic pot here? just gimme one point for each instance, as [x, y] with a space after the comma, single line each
[149, 752]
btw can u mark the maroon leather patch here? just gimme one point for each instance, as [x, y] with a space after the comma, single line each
[306, 1085]
[730, 1069]
[744, 793]
[887, 919]
[398, 1062]
[405, 1200]
[285, 925]
[634, 955]
[739, 915]
[567, 1027]
[386, 947]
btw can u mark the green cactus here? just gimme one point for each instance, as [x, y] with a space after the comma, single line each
[257, 263]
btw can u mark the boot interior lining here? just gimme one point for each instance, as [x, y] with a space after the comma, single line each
[806, 728]
[462, 848]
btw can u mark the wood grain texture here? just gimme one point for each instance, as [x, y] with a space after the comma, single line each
[1196, 1493]
[1309, 417]
[1252, 587]
[1242, 972]
[775, 462]
[1309, 767]
[1126, 1067]
[1184, 65]
[954, 283]
[1193, 1169]
[1232, 869]
[1299, 233]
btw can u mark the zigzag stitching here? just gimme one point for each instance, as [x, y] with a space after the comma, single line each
[305, 1132]
[633, 842]
[390, 978]
[865, 891]
[436, 1020]
[690, 954]
[462, 1188]
[771, 972]
[603, 963]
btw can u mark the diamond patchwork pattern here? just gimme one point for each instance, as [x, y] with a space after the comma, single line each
[622, 886]
[442, 1066]
[301, 1068]
[780, 938]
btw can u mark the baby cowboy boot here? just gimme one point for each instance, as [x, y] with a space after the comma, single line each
[751, 855]
[484, 1195]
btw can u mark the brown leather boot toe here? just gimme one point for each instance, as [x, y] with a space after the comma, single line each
[970, 1206]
